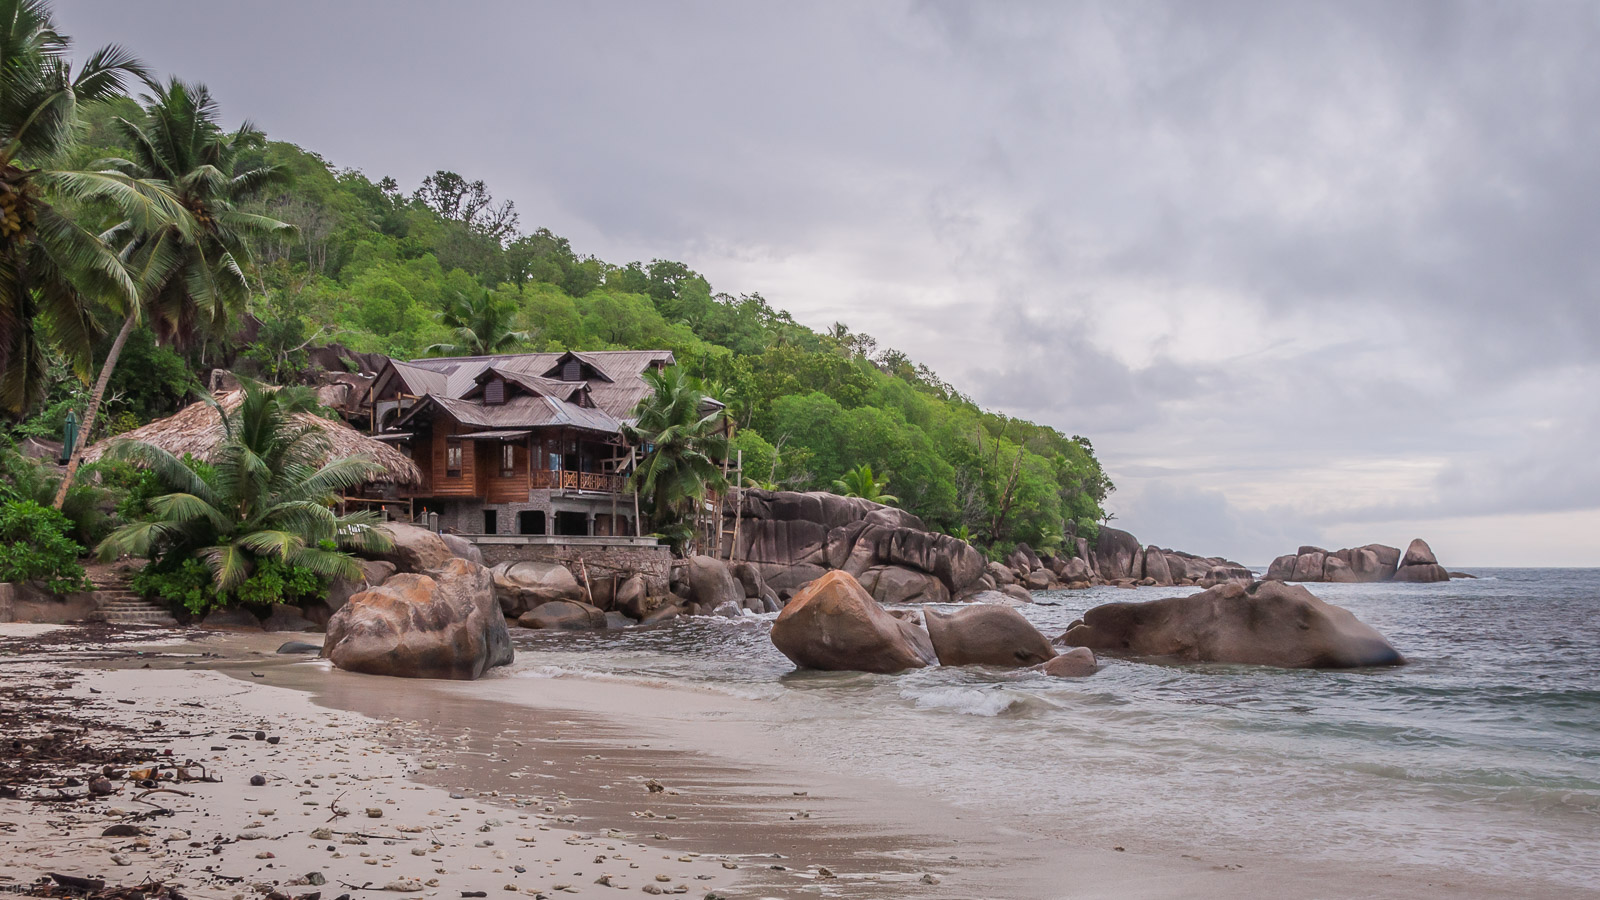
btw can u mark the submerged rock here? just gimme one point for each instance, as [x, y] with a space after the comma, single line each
[711, 583]
[987, 634]
[834, 624]
[445, 624]
[1273, 624]
[563, 615]
[1079, 662]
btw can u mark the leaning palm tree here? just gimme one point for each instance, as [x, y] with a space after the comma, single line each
[479, 326]
[684, 443]
[861, 482]
[54, 269]
[191, 281]
[268, 493]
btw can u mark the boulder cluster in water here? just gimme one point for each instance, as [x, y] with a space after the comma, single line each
[1374, 562]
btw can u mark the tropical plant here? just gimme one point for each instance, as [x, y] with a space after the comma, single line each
[479, 325]
[684, 445]
[861, 482]
[22, 478]
[190, 280]
[267, 494]
[34, 547]
[53, 268]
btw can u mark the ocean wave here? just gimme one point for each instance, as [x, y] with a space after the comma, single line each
[969, 701]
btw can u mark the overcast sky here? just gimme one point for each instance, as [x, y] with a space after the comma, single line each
[1302, 273]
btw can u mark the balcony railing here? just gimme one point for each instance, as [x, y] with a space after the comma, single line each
[577, 481]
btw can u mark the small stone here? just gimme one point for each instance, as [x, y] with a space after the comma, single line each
[261, 735]
[266, 854]
[374, 812]
[321, 834]
[251, 836]
[316, 878]
[663, 877]
[258, 780]
[825, 872]
[419, 851]
[101, 786]
[121, 860]
[274, 739]
[930, 878]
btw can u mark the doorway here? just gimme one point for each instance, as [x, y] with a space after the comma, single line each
[530, 521]
[491, 521]
[572, 523]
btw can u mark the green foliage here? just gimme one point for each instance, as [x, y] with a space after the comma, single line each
[861, 482]
[684, 443]
[181, 581]
[24, 479]
[34, 547]
[268, 496]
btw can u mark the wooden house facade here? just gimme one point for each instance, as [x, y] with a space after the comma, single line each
[518, 444]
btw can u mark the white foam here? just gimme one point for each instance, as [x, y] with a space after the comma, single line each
[967, 701]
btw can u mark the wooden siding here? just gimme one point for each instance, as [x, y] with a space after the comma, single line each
[441, 484]
[497, 488]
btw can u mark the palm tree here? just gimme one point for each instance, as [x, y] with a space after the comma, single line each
[52, 268]
[479, 325]
[268, 493]
[860, 482]
[191, 282]
[684, 444]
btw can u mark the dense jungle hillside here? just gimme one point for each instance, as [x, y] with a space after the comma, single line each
[374, 266]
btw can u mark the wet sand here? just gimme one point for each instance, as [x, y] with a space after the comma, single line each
[674, 781]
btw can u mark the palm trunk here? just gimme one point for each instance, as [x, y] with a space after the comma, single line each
[94, 406]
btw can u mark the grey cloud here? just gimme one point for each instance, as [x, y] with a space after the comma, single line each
[1358, 236]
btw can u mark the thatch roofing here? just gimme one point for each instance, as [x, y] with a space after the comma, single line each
[196, 429]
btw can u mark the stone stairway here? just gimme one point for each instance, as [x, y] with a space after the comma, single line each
[120, 606]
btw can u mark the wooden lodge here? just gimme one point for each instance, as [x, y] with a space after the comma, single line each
[525, 443]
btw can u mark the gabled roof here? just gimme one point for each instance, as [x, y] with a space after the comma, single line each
[532, 384]
[617, 394]
[521, 411]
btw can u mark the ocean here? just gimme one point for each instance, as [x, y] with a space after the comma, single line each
[1481, 755]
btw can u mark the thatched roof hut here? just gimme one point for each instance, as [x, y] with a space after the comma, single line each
[196, 429]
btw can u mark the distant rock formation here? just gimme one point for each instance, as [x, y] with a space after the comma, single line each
[1354, 565]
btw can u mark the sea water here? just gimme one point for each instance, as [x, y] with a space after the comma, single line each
[1481, 755]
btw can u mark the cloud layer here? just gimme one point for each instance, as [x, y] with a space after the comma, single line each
[1302, 272]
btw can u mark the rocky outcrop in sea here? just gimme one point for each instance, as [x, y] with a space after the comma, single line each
[1354, 565]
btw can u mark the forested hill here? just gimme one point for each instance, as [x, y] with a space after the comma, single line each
[374, 263]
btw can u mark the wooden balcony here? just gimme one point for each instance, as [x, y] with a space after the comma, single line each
[544, 479]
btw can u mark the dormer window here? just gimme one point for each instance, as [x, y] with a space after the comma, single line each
[572, 370]
[494, 391]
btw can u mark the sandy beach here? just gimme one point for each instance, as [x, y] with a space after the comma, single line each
[391, 787]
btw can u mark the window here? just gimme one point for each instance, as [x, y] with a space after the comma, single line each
[508, 460]
[494, 391]
[491, 521]
[452, 458]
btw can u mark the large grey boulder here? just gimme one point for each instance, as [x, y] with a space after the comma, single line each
[986, 634]
[834, 624]
[711, 583]
[1424, 573]
[1282, 568]
[897, 584]
[521, 586]
[415, 549]
[1308, 566]
[1336, 570]
[1419, 554]
[1115, 554]
[633, 599]
[444, 624]
[1155, 566]
[461, 547]
[231, 618]
[1271, 624]
[283, 617]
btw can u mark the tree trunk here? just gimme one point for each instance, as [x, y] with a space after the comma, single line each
[94, 406]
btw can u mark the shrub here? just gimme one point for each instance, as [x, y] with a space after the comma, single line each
[187, 582]
[34, 547]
